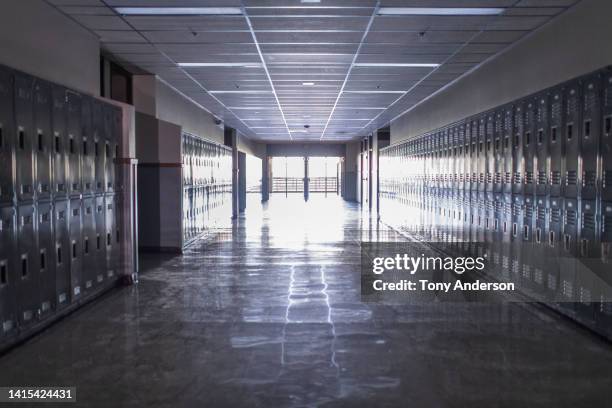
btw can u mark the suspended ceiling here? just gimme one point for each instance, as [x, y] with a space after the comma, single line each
[305, 70]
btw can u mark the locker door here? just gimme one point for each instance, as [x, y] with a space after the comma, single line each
[568, 254]
[117, 129]
[75, 250]
[555, 142]
[7, 143]
[555, 258]
[518, 162]
[529, 148]
[87, 141]
[24, 126]
[606, 139]
[590, 268]
[59, 114]
[111, 226]
[482, 154]
[99, 141]
[9, 275]
[498, 152]
[572, 139]
[100, 241]
[62, 249]
[530, 249]
[109, 149]
[508, 134]
[74, 144]
[541, 142]
[46, 258]
[489, 152]
[43, 139]
[88, 246]
[28, 268]
[591, 134]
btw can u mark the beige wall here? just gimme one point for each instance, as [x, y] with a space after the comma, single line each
[38, 39]
[575, 43]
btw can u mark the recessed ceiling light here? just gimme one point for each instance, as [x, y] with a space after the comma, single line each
[392, 65]
[178, 11]
[308, 83]
[439, 11]
[219, 64]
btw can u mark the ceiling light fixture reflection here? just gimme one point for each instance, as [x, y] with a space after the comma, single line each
[395, 65]
[308, 83]
[440, 11]
[219, 64]
[178, 11]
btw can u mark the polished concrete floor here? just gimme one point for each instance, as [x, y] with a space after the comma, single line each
[268, 314]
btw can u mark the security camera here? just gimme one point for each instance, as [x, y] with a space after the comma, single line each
[218, 121]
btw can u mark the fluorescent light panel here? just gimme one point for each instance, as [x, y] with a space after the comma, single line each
[440, 11]
[219, 64]
[308, 83]
[240, 92]
[178, 11]
[393, 65]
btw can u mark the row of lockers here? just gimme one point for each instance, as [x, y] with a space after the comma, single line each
[55, 143]
[557, 143]
[207, 186]
[53, 254]
[206, 208]
[547, 246]
[205, 163]
[530, 183]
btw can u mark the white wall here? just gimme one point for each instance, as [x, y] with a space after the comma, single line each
[573, 44]
[38, 39]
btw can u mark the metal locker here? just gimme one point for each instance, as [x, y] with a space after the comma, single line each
[568, 253]
[518, 163]
[531, 252]
[27, 280]
[541, 105]
[498, 151]
[109, 148]
[59, 143]
[489, 127]
[43, 137]
[75, 249]
[7, 143]
[100, 239]
[555, 257]
[117, 132]
[589, 269]
[86, 140]
[606, 138]
[469, 163]
[529, 148]
[482, 154]
[62, 248]
[24, 141]
[591, 134]
[571, 139]
[74, 144]
[508, 134]
[118, 233]
[555, 142]
[99, 143]
[88, 244]
[111, 227]
[8, 271]
[46, 258]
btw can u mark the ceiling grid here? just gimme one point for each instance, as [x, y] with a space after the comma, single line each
[331, 70]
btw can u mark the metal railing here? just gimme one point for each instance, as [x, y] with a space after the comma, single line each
[296, 185]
